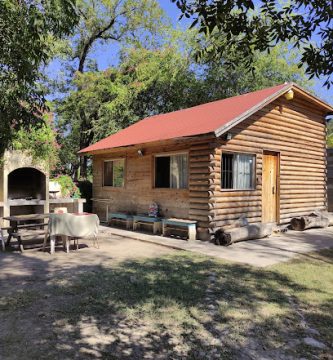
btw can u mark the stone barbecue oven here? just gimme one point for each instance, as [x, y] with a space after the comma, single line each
[24, 185]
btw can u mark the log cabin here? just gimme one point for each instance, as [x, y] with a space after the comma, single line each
[261, 155]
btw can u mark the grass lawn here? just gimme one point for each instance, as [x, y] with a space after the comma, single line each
[172, 307]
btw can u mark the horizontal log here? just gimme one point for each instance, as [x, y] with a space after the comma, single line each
[235, 210]
[199, 194]
[314, 195]
[237, 204]
[258, 132]
[228, 199]
[235, 216]
[216, 224]
[248, 232]
[281, 145]
[290, 133]
[234, 193]
[199, 217]
[288, 187]
[291, 124]
[307, 199]
[304, 210]
[295, 118]
[302, 206]
[255, 149]
[200, 212]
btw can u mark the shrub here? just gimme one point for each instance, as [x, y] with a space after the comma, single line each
[68, 187]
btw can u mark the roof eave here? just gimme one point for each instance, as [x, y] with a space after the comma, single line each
[126, 147]
[223, 129]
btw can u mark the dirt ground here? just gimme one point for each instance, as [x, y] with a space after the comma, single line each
[134, 300]
[27, 285]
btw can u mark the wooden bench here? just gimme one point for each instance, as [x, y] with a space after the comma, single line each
[28, 234]
[127, 219]
[155, 222]
[180, 225]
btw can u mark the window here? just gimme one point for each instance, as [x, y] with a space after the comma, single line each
[113, 174]
[171, 171]
[238, 171]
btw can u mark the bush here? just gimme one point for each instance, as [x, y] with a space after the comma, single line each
[68, 187]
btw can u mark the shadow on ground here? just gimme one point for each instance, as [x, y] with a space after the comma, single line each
[172, 307]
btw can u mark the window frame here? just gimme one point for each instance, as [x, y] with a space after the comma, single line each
[172, 153]
[254, 175]
[124, 177]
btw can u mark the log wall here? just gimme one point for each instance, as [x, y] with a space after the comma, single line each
[296, 130]
[139, 192]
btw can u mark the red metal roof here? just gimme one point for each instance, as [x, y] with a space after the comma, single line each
[197, 120]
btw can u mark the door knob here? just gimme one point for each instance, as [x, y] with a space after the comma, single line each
[273, 190]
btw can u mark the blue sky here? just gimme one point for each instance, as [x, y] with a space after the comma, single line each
[103, 60]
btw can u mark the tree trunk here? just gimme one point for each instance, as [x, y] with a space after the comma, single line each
[324, 214]
[83, 167]
[249, 232]
[307, 222]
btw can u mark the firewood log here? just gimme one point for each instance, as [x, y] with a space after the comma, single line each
[308, 222]
[325, 214]
[249, 232]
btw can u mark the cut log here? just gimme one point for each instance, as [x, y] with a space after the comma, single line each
[325, 214]
[249, 232]
[308, 222]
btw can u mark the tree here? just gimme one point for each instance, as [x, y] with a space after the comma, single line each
[248, 26]
[270, 69]
[114, 23]
[27, 32]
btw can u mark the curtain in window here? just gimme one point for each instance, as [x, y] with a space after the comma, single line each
[108, 173]
[242, 171]
[178, 171]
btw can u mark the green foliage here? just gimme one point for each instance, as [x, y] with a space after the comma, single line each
[330, 134]
[277, 67]
[249, 26]
[39, 141]
[27, 32]
[68, 187]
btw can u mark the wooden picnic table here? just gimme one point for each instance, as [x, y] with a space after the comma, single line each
[17, 229]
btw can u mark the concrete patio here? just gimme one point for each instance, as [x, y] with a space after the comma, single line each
[261, 253]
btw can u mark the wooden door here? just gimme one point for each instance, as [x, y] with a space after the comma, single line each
[270, 187]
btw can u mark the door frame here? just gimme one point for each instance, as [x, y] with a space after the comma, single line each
[278, 156]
